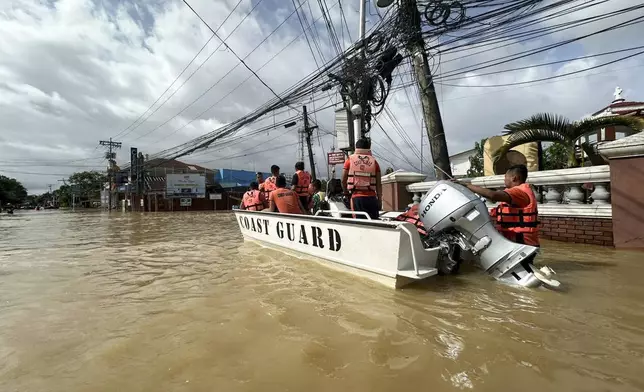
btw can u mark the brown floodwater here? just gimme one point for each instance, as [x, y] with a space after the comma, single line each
[177, 302]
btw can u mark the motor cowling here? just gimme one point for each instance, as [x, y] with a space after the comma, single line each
[450, 207]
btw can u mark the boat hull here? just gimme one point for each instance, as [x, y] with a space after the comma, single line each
[387, 252]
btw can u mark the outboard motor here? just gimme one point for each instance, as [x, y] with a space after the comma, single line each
[453, 213]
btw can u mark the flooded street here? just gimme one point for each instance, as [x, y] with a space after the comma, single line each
[177, 302]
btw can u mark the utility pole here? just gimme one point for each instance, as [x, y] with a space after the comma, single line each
[64, 181]
[308, 131]
[431, 111]
[111, 158]
[51, 195]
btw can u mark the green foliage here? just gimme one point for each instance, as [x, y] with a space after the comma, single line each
[88, 184]
[389, 170]
[545, 127]
[556, 157]
[476, 160]
[11, 191]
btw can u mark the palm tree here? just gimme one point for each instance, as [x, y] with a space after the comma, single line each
[545, 127]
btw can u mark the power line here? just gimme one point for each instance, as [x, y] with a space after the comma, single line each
[180, 74]
[550, 77]
[232, 51]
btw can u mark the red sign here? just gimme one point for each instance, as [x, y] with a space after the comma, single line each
[336, 158]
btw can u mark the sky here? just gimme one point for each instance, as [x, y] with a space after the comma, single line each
[74, 72]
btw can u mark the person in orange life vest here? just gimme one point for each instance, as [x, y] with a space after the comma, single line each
[259, 176]
[361, 178]
[516, 216]
[300, 183]
[253, 200]
[285, 200]
[411, 216]
[270, 183]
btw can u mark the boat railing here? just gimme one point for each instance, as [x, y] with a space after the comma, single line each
[361, 213]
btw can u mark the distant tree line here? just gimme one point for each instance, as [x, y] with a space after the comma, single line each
[85, 186]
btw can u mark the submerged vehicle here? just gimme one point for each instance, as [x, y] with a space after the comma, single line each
[458, 227]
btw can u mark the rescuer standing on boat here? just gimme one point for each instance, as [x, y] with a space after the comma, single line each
[300, 183]
[516, 217]
[361, 178]
[285, 200]
[253, 200]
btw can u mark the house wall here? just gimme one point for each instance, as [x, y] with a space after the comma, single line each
[460, 165]
[596, 231]
[627, 188]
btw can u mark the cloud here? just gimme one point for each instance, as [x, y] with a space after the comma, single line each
[73, 72]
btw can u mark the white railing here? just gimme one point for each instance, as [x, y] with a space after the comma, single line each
[578, 192]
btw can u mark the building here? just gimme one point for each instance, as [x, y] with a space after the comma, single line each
[230, 179]
[460, 162]
[619, 107]
[217, 194]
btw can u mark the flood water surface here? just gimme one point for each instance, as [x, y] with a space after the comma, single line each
[177, 302]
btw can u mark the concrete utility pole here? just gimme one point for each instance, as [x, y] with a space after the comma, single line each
[110, 171]
[52, 200]
[308, 131]
[431, 111]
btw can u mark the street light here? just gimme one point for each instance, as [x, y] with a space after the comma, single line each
[357, 122]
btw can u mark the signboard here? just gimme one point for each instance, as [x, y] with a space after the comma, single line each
[343, 127]
[215, 196]
[336, 158]
[185, 185]
[185, 202]
[105, 198]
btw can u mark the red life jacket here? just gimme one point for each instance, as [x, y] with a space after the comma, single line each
[252, 200]
[412, 217]
[518, 224]
[303, 182]
[362, 171]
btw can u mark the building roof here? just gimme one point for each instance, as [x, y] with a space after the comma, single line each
[620, 106]
[177, 166]
[468, 153]
[229, 178]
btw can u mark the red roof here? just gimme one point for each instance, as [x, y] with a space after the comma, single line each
[624, 107]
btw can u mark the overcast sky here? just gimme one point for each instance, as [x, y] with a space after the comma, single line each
[73, 72]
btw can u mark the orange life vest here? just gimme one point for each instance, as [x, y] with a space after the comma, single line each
[252, 200]
[518, 224]
[412, 217]
[269, 185]
[286, 201]
[303, 182]
[362, 171]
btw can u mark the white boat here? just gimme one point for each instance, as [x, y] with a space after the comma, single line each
[387, 252]
[392, 252]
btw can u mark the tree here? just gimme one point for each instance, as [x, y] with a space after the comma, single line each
[88, 183]
[12, 191]
[389, 170]
[476, 160]
[545, 127]
[555, 157]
